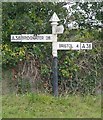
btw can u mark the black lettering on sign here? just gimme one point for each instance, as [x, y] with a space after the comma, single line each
[88, 45]
[83, 46]
[16, 37]
[66, 46]
[69, 46]
[47, 37]
[12, 38]
[35, 37]
[60, 45]
[77, 45]
[40, 37]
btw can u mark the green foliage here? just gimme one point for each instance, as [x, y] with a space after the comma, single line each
[12, 56]
[67, 64]
[79, 71]
[22, 18]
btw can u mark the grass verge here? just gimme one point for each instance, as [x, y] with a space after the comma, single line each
[46, 106]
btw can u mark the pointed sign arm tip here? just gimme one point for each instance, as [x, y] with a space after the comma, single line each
[54, 18]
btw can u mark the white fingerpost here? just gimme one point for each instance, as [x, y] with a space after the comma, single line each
[55, 45]
[54, 22]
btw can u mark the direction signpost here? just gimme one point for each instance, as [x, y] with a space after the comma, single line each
[86, 46]
[31, 38]
[54, 22]
[73, 46]
[55, 45]
[68, 45]
[60, 29]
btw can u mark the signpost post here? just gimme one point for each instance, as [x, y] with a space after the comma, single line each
[54, 22]
[55, 45]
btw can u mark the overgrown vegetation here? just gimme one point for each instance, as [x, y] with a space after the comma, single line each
[79, 71]
[27, 67]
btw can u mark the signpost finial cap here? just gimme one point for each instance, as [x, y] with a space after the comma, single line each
[54, 18]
